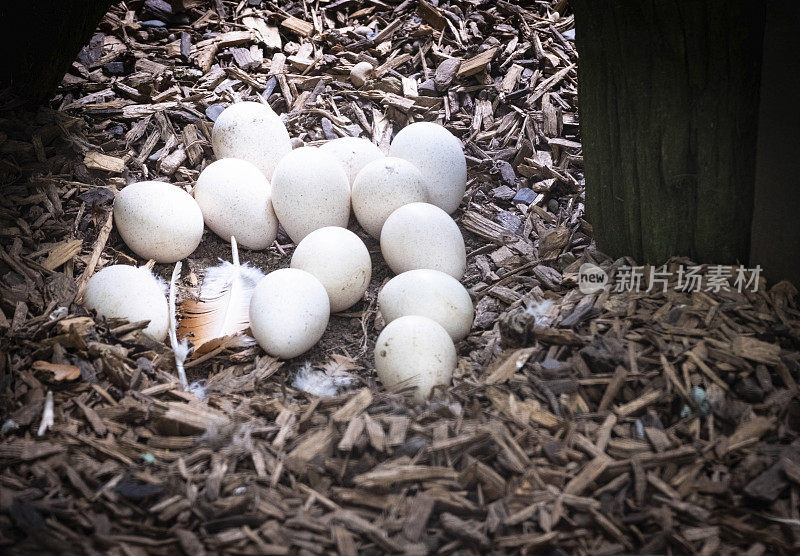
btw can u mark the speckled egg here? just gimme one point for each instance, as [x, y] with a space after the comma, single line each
[415, 351]
[353, 153]
[383, 186]
[310, 191]
[339, 260]
[158, 221]
[253, 132]
[420, 235]
[128, 292]
[439, 156]
[236, 200]
[289, 312]
[428, 293]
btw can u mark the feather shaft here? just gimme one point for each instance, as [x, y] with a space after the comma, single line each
[179, 348]
[222, 310]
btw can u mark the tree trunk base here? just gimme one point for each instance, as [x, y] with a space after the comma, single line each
[668, 108]
[44, 39]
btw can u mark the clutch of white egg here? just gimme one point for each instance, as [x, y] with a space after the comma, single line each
[258, 182]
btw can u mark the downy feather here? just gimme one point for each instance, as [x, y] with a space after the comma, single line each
[323, 384]
[179, 348]
[221, 314]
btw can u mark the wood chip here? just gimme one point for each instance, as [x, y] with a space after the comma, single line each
[477, 63]
[95, 160]
[63, 253]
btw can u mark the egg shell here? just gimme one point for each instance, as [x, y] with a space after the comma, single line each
[128, 292]
[383, 186]
[339, 260]
[253, 132]
[428, 293]
[420, 235]
[236, 200]
[415, 351]
[310, 191]
[289, 312]
[439, 156]
[353, 153]
[158, 221]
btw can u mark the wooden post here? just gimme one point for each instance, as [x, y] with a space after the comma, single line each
[41, 40]
[668, 99]
[776, 219]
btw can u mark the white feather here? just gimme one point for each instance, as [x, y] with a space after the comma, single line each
[47, 415]
[223, 309]
[320, 383]
[236, 283]
[541, 311]
[198, 388]
[179, 348]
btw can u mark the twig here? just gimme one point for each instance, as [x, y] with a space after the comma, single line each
[99, 245]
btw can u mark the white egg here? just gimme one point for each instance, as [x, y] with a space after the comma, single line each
[128, 292]
[253, 132]
[383, 186]
[236, 200]
[310, 191]
[415, 351]
[353, 153]
[439, 156]
[289, 311]
[158, 221]
[339, 260]
[428, 293]
[420, 235]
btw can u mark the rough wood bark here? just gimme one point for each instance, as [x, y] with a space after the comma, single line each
[43, 39]
[776, 227]
[668, 105]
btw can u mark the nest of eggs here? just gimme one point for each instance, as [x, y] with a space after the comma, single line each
[259, 183]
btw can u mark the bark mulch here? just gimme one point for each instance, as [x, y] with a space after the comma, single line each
[660, 421]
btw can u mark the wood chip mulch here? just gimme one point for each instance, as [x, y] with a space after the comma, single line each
[661, 421]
